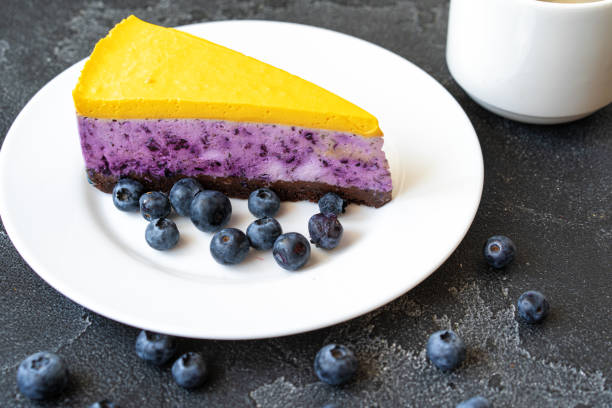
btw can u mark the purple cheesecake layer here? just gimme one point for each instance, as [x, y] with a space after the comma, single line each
[193, 147]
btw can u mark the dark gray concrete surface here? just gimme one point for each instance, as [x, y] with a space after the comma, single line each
[549, 188]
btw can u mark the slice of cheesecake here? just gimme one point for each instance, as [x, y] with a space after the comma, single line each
[157, 104]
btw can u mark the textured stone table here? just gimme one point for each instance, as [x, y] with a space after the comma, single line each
[549, 188]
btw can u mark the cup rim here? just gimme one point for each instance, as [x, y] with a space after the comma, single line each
[592, 4]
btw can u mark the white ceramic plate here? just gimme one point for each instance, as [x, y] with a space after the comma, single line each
[75, 239]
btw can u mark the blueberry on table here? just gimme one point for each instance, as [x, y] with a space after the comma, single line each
[126, 194]
[533, 306]
[499, 251]
[154, 205]
[210, 210]
[291, 251]
[42, 375]
[325, 231]
[229, 246]
[263, 202]
[475, 402]
[104, 404]
[263, 232]
[190, 370]
[162, 234]
[332, 204]
[182, 194]
[445, 350]
[155, 348]
[335, 364]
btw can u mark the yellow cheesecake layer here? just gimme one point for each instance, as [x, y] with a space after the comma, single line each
[140, 70]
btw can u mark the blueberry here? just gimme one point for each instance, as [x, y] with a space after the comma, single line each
[162, 234]
[291, 251]
[445, 350]
[229, 246]
[263, 202]
[332, 204]
[533, 306]
[499, 251]
[325, 231]
[104, 404]
[263, 232]
[190, 370]
[182, 194]
[155, 348]
[126, 194]
[335, 364]
[153, 205]
[42, 375]
[475, 402]
[210, 210]
[89, 180]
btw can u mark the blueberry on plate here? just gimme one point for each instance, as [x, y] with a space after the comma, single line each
[335, 364]
[291, 251]
[42, 375]
[263, 202]
[446, 350]
[475, 402]
[325, 231]
[499, 251]
[126, 194]
[162, 234]
[190, 370]
[229, 246]
[332, 204]
[154, 205]
[210, 210]
[155, 348]
[263, 232]
[182, 194]
[533, 306]
[104, 404]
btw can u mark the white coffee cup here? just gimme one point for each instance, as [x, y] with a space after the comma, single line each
[532, 61]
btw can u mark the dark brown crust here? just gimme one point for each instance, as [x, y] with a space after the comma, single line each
[241, 187]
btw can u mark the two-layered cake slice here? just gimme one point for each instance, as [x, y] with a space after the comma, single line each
[157, 104]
